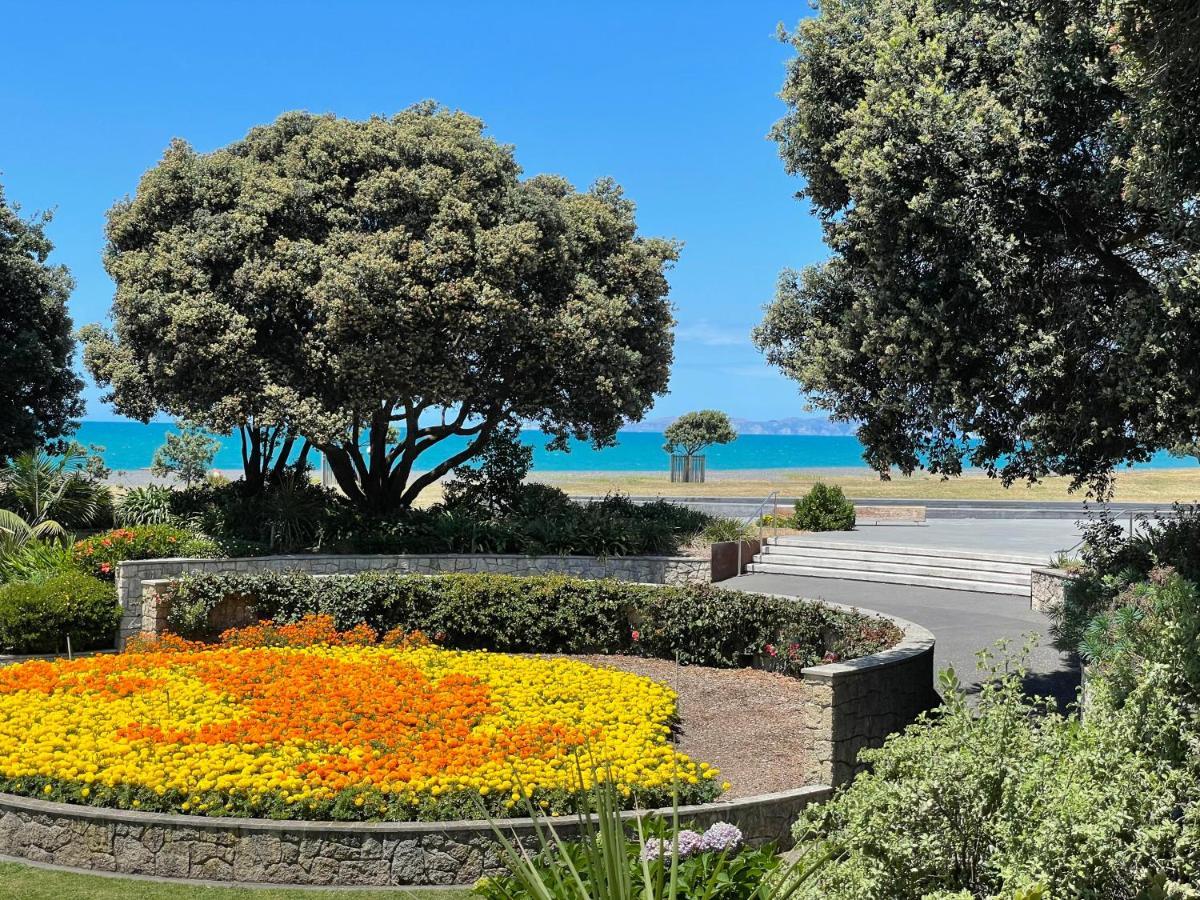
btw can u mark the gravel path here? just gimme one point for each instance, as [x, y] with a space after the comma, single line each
[743, 721]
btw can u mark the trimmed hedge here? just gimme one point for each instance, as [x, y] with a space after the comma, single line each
[698, 625]
[36, 617]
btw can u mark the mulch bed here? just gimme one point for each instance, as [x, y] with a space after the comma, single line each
[746, 722]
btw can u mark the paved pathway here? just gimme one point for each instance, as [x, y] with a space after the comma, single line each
[963, 622]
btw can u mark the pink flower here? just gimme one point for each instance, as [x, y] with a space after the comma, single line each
[770, 648]
[636, 635]
[105, 568]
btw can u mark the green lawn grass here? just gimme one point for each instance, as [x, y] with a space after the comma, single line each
[31, 883]
[1138, 485]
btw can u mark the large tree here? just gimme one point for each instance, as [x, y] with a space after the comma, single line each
[1013, 218]
[386, 288]
[39, 391]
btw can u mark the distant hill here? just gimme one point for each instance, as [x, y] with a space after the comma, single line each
[817, 425]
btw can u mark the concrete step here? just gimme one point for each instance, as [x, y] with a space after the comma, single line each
[969, 570]
[941, 553]
[913, 557]
[958, 584]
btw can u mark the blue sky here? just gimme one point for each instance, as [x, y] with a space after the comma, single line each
[672, 99]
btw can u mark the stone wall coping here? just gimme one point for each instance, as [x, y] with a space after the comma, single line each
[320, 557]
[1053, 572]
[915, 640]
[813, 793]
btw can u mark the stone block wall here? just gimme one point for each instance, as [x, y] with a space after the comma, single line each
[856, 704]
[318, 853]
[133, 574]
[1047, 588]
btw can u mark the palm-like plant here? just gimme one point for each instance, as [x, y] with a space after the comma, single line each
[23, 545]
[43, 488]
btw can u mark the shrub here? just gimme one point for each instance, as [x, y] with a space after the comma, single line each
[100, 554]
[699, 625]
[1113, 560]
[824, 508]
[38, 617]
[724, 529]
[148, 505]
[1004, 799]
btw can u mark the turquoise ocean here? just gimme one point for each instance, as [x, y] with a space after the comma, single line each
[130, 445]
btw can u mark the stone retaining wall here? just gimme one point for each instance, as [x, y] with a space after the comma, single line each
[648, 569]
[317, 853]
[856, 704]
[1047, 588]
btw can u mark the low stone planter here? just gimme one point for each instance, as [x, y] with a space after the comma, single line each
[264, 851]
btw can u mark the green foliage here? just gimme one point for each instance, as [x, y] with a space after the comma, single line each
[726, 529]
[1113, 560]
[1007, 798]
[824, 508]
[39, 390]
[699, 625]
[612, 860]
[98, 556]
[263, 286]
[1009, 194]
[494, 482]
[38, 617]
[187, 455]
[43, 488]
[692, 432]
[148, 505]
[35, 560]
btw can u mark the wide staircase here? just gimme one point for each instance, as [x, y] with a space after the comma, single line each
[962, 570]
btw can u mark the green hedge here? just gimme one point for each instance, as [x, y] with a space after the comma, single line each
[699, 625]
[37, 617]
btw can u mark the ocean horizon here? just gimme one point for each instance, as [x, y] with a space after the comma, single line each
[130, 446]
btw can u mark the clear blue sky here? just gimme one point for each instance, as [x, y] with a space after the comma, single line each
[672, 99]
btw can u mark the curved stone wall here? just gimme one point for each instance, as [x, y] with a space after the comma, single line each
[263, 851]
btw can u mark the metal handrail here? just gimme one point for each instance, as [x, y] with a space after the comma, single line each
[757, 516]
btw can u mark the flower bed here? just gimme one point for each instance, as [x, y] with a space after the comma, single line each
[304, 722]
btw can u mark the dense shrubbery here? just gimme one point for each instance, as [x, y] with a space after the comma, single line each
[1113, 560]
[38, 617]
[295, 516]
[824, 508]
[1009, 799]
[99, 555]
[699, 625]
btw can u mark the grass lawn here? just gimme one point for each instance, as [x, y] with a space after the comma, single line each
[30, 883]
[1157, 485]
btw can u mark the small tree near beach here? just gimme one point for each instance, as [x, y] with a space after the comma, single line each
[696, 431]
[187, 455]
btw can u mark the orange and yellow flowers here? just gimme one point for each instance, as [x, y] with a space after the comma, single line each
[334, 726]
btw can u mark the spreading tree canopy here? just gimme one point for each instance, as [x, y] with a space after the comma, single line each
[385, 288]
[692, 432]
[1011, 196]
[39, 391]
